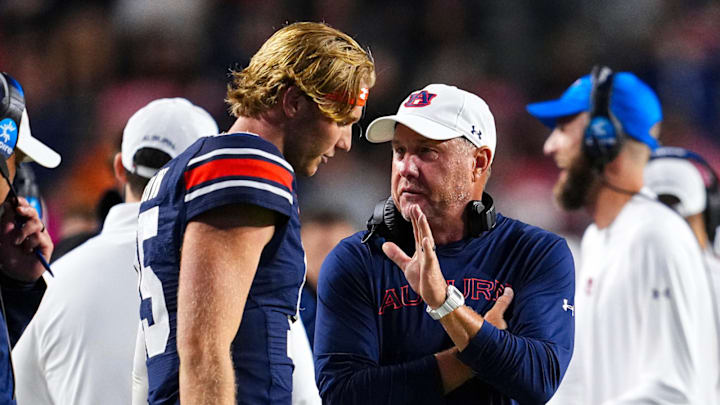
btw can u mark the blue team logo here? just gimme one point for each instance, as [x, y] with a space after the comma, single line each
[8, 137]
[420, 99]
[603, 131]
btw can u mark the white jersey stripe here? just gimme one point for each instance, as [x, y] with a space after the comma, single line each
[241, 151]
[239, 183]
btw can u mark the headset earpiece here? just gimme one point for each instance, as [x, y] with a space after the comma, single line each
[603, 137]
[482, 219]
[12, 106]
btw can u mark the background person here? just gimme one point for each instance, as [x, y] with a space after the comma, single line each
[22, 234]
[645, 330]
[321, 232]
[79, 347]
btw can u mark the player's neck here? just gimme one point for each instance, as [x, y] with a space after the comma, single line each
[261, 126]
[697, 224]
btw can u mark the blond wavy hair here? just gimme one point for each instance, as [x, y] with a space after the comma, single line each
[316, 58]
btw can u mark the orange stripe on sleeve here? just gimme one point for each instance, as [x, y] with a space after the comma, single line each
[238, 167]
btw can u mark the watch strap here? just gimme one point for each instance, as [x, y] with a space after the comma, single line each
[453, 301]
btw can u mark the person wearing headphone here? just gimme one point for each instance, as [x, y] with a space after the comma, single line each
[678, 176]
[25, 245]
[79, 346]
[419, 309]
[645, 331]
[685, 182]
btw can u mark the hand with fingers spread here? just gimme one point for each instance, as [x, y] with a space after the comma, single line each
[422, 270]
[21, 232]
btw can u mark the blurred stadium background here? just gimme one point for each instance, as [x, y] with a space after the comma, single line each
[88, 65]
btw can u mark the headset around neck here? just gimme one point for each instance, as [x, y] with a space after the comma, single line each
[387, 222]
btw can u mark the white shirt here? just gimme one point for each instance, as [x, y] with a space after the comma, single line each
[78, 349]
[712, 262]
[644, 330]
[712, 265]
[305, 391]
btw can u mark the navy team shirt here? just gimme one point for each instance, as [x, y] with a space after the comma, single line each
[216, 171]
[7, 382]
[374, 342]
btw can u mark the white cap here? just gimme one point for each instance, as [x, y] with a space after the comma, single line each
[167, 124]
[35, 150]
[440, 112]
[680, 178]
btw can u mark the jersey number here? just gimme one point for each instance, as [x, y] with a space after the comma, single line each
[153, 311]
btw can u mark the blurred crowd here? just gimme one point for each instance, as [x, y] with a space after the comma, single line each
[86, 66]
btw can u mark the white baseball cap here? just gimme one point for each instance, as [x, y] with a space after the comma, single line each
[680, 178]
[440, 112]
[35, 150]
[167, 124]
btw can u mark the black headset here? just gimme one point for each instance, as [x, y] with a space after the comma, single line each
[711, 215]
[603, 136]
[12, 106]
[26, 186]
[387, 222]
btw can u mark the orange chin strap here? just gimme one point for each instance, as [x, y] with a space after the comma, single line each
[359, 102]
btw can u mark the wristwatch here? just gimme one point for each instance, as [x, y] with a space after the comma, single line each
[454, 300]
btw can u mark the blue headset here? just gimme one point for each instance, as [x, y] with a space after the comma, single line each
[603, 136]
[712, 189]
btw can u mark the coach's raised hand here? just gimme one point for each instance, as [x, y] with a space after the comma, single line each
[22, 232]
[422, 270]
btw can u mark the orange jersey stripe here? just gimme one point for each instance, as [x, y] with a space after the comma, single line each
[238, 167]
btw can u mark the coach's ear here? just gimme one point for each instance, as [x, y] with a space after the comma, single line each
[293, 101]
[119, 169]
[482, 157]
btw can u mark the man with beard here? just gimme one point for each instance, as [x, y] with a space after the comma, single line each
[645, 328]
[402, 309]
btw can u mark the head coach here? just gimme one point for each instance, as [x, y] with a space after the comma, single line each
[403, 310]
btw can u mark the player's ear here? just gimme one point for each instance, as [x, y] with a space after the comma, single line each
[293, 100]
[119, 169]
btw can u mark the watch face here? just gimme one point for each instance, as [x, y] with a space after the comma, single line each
[454, 300]
[456, 296]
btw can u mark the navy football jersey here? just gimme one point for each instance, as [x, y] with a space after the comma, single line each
[216, 171]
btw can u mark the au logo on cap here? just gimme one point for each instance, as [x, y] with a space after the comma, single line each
[8, 137]
[420, 99]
